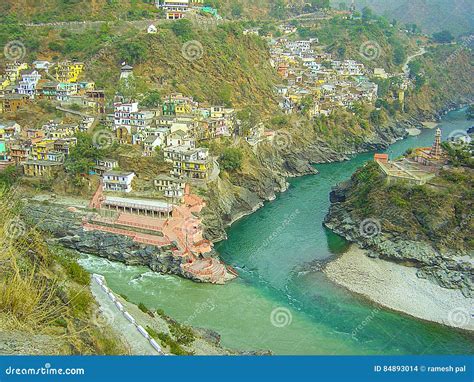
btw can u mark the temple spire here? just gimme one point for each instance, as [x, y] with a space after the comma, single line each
[436, 148]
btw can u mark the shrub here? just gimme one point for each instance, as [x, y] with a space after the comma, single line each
[231, 159]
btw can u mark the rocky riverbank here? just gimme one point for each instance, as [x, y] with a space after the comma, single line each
[65, 228]
[231, 198]
[399, 288]
[397, 234]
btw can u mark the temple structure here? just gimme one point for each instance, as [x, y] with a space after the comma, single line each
[159, 223]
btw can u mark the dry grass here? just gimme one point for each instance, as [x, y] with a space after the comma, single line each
[41, 291]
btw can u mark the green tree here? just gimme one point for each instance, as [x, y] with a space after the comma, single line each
[278, 9]
[367, 14]
[231, 159]
[133, 51]
[443, 37]
[183, 29]
[237, 10]
[152, 99]
[83, 155]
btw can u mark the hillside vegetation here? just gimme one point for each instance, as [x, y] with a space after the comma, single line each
[45, 302]
[430, 15]
[439, 212]
[77, 10]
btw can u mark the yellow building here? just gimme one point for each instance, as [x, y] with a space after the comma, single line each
[4, 82]
[68, 71]
[183, 108]
[41, 149]
[13, 70]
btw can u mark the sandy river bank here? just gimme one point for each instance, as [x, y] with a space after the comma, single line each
[397, 287]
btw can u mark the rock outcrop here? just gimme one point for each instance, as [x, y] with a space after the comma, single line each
[381, 236]
[66, 229]
[230, 198]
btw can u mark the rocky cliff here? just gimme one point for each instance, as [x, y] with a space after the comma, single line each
[425, 227]
[235, 195]
[65, 228]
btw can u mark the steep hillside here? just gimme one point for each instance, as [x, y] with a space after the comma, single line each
[71, 10]
[218, 65]
[430, 15]
[45, 302]
[425, 226]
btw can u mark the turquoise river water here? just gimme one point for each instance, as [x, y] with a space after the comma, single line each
[272, 250]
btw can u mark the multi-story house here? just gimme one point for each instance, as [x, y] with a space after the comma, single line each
[47, 89]
[41, 149]
[97, 100]
[128, 116]
[13, 70]
[55, 156]
[28, 82]
[65, 90]
[12, 102]
[188, 162]
[118, 181]
[41, 65]
[175, 9]
[68, 71]
[172, 188]
[41, 168]
[19, 153]
[105, 165]
[180, 138]
[64, 145]
[4, 82]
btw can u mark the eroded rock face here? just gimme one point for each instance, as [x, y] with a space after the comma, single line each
[449, 269]
[230, 198]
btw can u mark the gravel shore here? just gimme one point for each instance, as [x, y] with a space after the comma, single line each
[397, 287]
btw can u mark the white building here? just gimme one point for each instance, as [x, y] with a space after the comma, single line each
[118, 181]
[174, 5]
[42, 65]
[126, 71]
[28, 82]
[150, 144]
[152, 29]
[129, 116]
